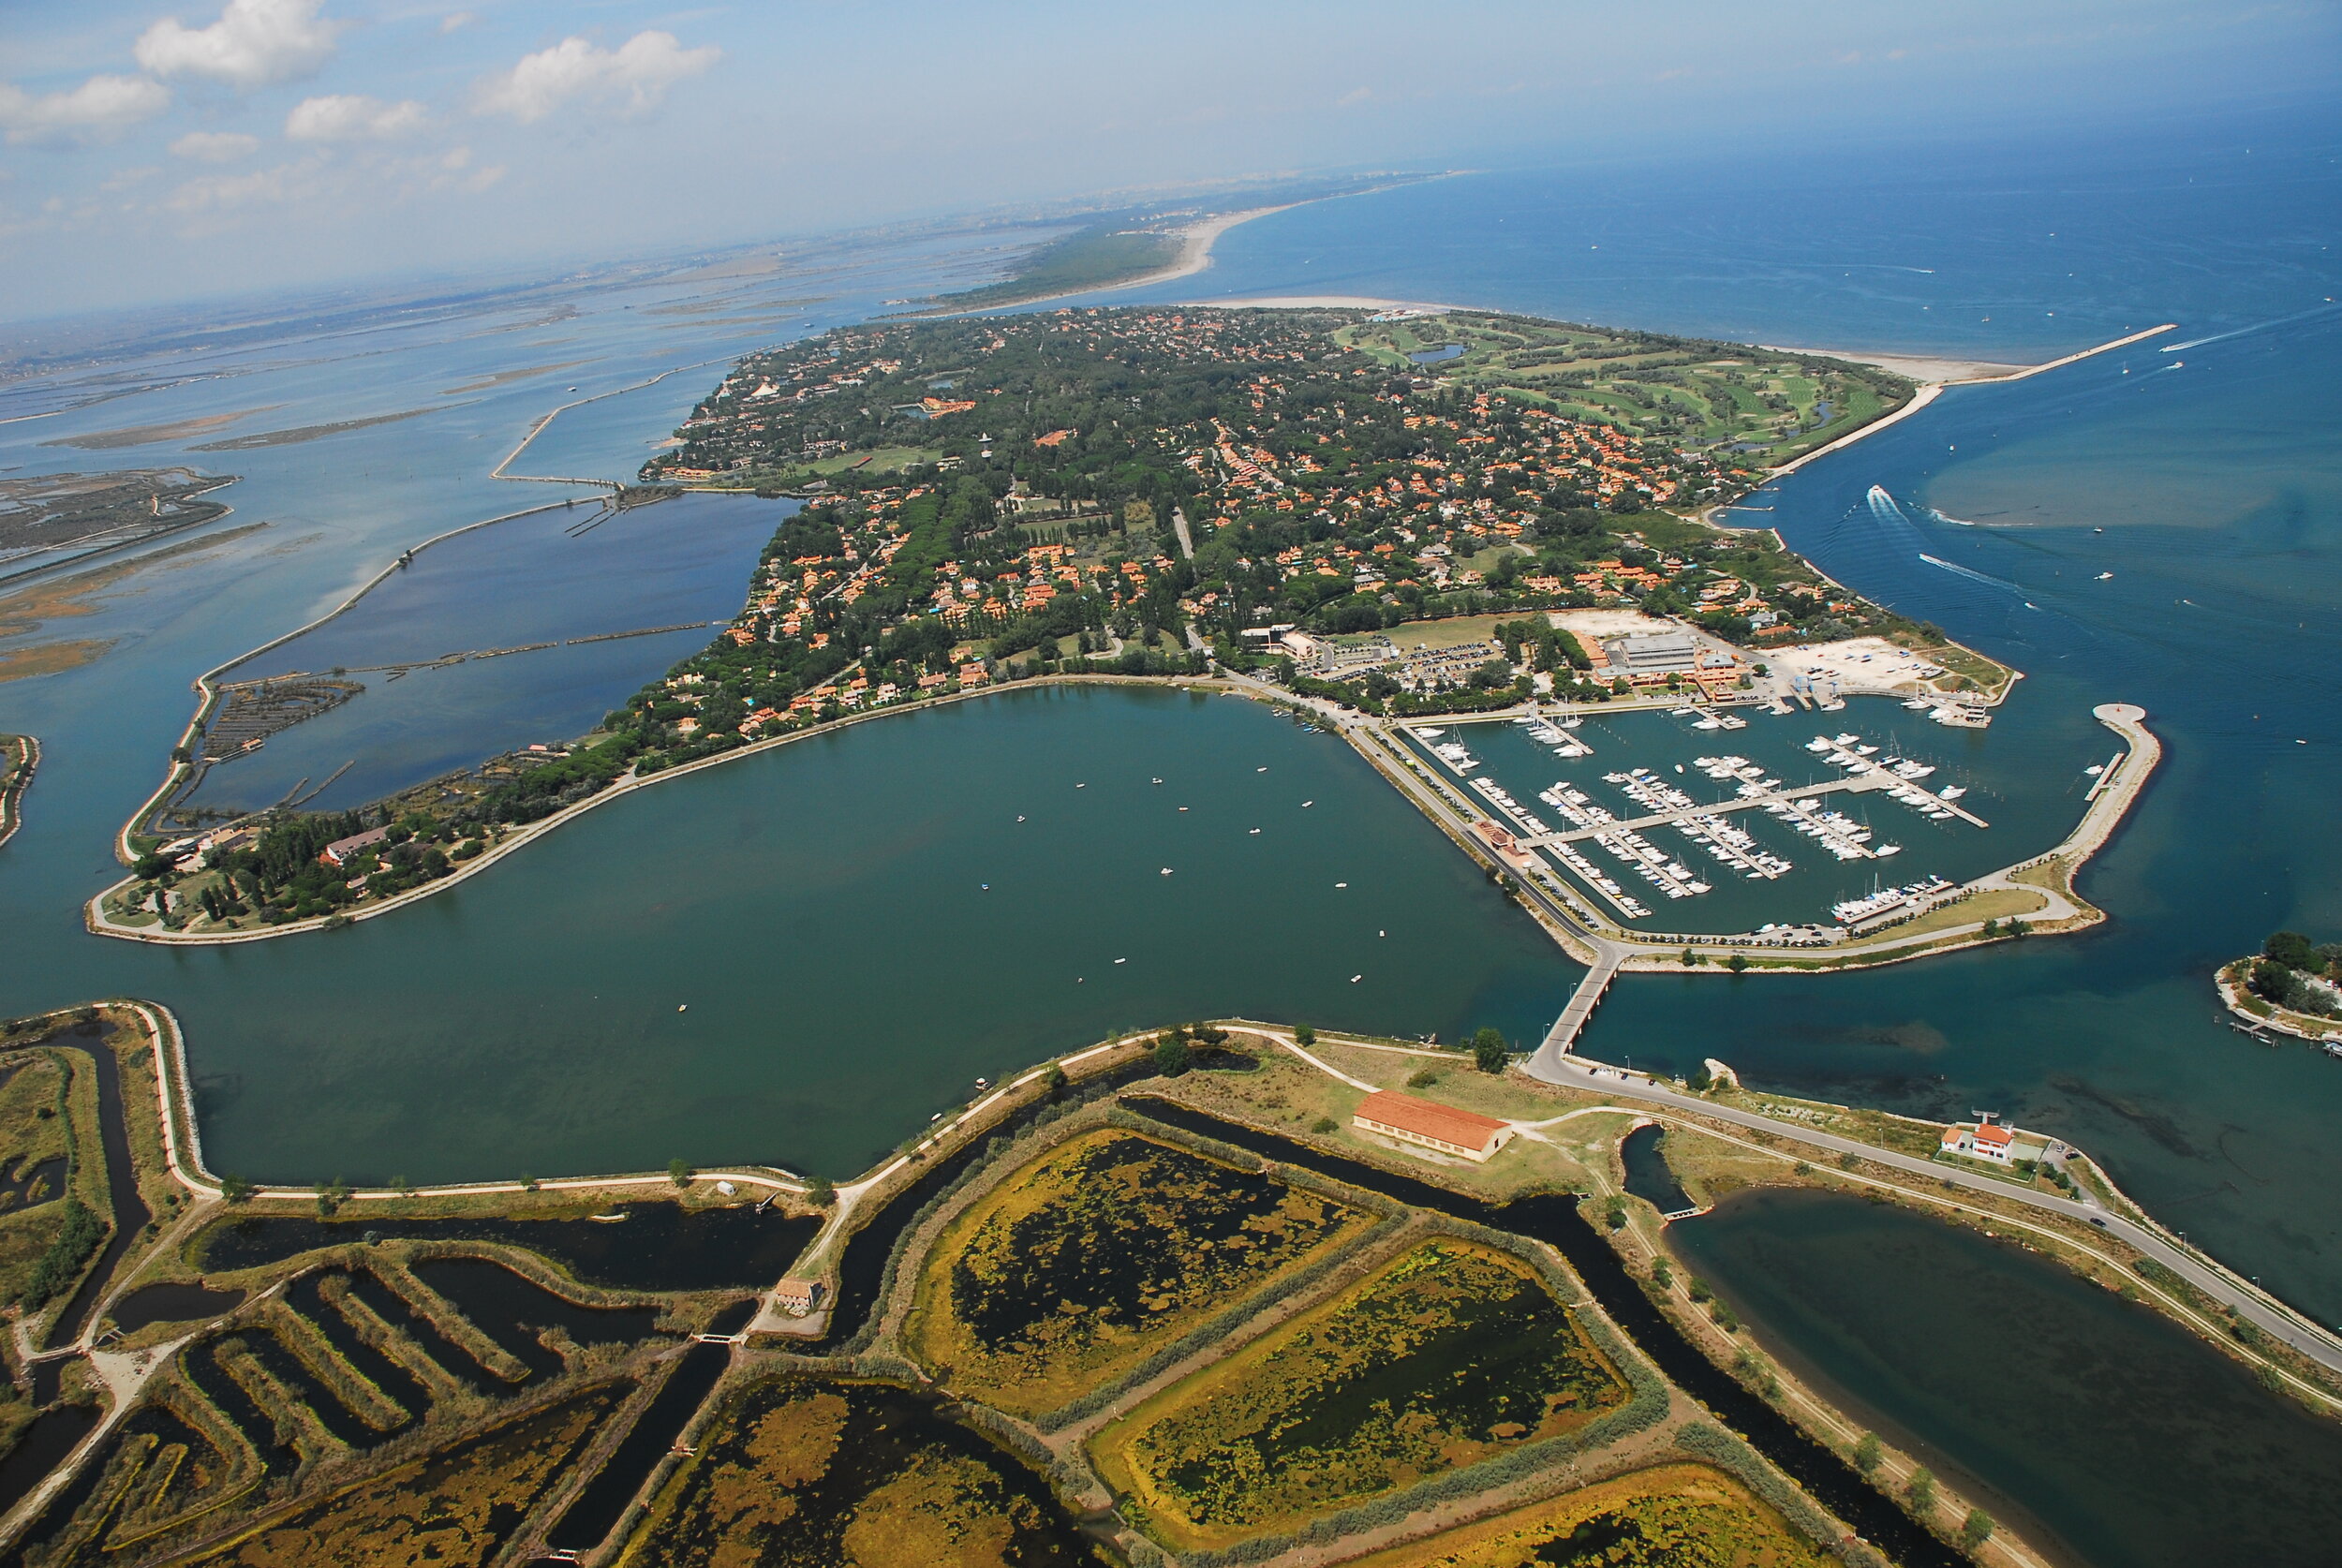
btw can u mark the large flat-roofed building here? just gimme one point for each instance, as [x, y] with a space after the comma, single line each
[1659, 654]
[1430, 1125]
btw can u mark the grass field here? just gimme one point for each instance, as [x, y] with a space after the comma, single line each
[883, 460]
[1771, 406]
[1683, 1516]
[1450, 1355]
[49, 1150]
[1290, 1097]
[1110, 1248]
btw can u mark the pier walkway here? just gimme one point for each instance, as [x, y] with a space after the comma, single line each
[1859, 782]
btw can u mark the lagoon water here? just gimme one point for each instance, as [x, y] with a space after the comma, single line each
[579, 579]
[2092, 1423]
[814, 910]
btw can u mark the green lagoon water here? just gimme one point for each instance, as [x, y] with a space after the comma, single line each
[859, 927]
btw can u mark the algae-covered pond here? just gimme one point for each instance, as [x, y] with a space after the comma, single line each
[1105, 1251]
[1453, 1353]
[803, 1472]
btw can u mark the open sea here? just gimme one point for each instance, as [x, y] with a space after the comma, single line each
[2160, 527]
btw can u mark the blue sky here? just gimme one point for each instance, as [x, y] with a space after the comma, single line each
[153, 150]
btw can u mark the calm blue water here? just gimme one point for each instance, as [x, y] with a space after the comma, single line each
[2212, 472]
[547, 578]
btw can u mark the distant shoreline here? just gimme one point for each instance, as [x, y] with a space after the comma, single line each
[1195, 242]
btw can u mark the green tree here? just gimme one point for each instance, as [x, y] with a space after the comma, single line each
[235, 1190]
[1172, 1055]
[1737, 963]
[821, 1192]
[1867, 1452]
[1975, 1528]
[1490, 1052]
[1921, 1492]
[1304, 1035]
[2293, 950]
[1053, 1082]
[1700, 1081]
[679, 1172]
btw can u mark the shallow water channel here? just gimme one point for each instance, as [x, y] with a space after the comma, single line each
[1648, 1176]
[2102, 1431]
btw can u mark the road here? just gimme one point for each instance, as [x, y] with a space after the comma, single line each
[2263, 1312]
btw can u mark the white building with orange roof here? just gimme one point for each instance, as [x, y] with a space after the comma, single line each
[1427, 1124]
[1983, 1139]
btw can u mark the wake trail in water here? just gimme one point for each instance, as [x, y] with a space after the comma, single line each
[2326, 309]
[1896, 529]
[1975, 576]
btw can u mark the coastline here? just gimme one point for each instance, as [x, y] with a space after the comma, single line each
[1195, 242]
[2228, 979]
[13, 794]
[99, 924]
[207, 693]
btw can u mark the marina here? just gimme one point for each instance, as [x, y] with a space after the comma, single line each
[1790, 831]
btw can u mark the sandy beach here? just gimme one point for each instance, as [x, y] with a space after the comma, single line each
[1923, 368]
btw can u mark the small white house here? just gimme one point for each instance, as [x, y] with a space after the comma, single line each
[1984, 1139]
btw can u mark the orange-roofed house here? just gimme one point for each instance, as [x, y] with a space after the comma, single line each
[1427, 1124]
[1986, 1139]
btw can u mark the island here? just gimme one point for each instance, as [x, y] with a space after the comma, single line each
[1203, 1295]
[2293, 987]
[46, 520]
[19, 756]
[1389, 520]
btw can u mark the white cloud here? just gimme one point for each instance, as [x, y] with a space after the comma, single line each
[641, 69]
[100, 107]
[454, 20]
[261, 188]
[352, 117]
[216, 146]
[254, 44]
